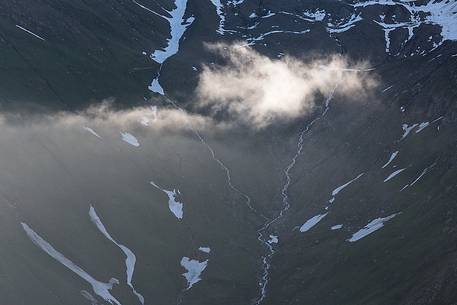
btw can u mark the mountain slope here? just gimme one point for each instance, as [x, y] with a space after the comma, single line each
[349, 202]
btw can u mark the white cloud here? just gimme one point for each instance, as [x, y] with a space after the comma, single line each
[257, 90]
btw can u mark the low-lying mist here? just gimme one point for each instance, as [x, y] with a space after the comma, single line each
[249, 89]
[56, 166]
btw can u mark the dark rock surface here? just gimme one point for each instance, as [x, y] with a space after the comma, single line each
[68, 55]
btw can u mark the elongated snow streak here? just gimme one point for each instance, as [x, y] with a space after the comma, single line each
[336, 227]
[387, 89]
[341, 187]
[310, 223]
[394, 174]
[388, 28]
[30, 32]
[220, 12]
[130, 258]
[228, 176]
[251, 41]
[392, 157]
[343, 27]
[263, 234]
[148, 9]
[178, 27]
[307, 15]
[407, 129]
[419, 177]
[422, 126]
[101, 289]
[205, 249]
[91, 131]
[371, 227]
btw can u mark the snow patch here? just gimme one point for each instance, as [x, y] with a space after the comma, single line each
[317, 15]
[336, 227]
[156, 87]
[344, 26]
[388, 88]
[129, 138]
[130, 258]
[178, 26]
[340, 188]
[422, 126]
[194, 269]
[273, 239]
[90, 130]
[389, 27]
[312, 222]
[394, 174]
[371, 227]
[407, 129]
[254, 40]
[392, 157]
[174, 206]
[101, 289]
[220, 13]
[440, 13]
[424, 171]
[205, 249]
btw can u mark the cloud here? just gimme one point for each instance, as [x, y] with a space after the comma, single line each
[157, 118]
[253, 89]
[258, 91]
[104, 115]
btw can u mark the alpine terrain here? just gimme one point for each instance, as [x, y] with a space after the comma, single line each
[228, 152]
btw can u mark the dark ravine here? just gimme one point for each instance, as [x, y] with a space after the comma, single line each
[263, 232]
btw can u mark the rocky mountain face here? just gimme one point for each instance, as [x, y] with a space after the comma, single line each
[154, 199]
